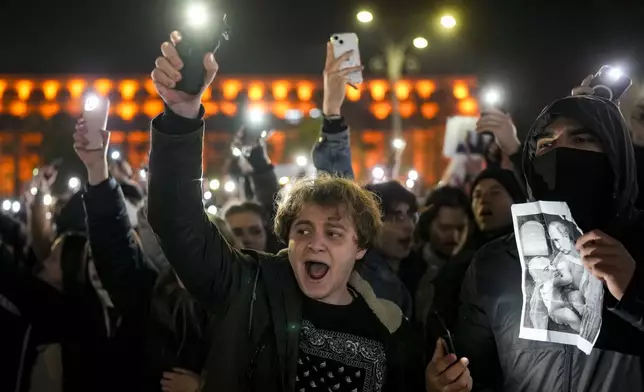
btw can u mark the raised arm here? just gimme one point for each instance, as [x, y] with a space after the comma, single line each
[209, 268]
[332, 152]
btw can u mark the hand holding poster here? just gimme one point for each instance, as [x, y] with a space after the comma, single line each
[562, 301]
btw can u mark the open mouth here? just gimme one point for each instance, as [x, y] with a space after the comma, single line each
[485, 212]
[316, 269]
[405, 242]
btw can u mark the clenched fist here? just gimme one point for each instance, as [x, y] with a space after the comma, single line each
[168, 72]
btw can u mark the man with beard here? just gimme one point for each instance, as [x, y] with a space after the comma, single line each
[298, 320]
[579, 152]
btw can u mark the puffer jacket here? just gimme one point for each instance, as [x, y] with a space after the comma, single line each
[487, 331]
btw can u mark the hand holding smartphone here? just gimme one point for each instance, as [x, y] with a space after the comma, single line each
[96, 110]
[343, 43]
[610, 83]
[196, 41]
[444, 333]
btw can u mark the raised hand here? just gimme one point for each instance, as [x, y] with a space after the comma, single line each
[447, 373]
[335, 81]
[168, 72]
[94, 160]
[501, 125]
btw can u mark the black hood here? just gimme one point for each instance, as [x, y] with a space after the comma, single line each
[604, 119]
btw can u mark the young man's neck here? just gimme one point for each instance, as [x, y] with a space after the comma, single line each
[340, 298]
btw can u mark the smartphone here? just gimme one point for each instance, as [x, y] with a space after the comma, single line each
[192, 49]
[610, 83]
[342, 43]
[444, 333]
[95, 112]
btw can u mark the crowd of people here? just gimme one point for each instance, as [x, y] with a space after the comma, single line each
[327, 285]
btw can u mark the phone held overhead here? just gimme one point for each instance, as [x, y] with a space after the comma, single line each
[201, 33]
[95, 112]
[610, 83]
[343, 43]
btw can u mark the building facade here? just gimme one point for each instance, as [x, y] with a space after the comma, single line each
[37, 114]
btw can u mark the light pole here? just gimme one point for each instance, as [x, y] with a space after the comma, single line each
[396, 61]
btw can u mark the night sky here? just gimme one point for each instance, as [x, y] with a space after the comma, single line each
[535, 50]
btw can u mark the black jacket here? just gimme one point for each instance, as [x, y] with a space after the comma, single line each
[488, 327]
[156, 332]
[256, 344]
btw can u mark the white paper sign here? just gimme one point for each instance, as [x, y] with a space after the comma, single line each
[562, 301]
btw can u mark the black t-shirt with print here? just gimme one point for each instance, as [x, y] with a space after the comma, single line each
[342, 348]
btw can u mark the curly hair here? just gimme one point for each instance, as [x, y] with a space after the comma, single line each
[359, 205]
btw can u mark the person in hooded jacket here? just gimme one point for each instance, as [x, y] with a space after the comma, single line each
[578, 151]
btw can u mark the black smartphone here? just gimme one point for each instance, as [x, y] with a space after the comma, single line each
[444, 333]
[194, 45]
[610, 83]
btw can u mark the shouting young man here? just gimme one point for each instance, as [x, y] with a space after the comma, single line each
[301, 320]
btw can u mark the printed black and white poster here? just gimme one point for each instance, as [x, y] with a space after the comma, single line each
[562, 301]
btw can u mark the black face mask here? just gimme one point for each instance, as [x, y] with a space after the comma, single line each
[583, 179]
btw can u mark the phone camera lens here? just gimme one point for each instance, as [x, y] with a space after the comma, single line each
[341, 42]
[335, 37]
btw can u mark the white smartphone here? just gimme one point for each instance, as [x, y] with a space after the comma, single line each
[342, 43]
[95, 112]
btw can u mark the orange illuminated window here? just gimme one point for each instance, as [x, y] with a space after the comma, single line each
[353, 94]
[280, 108]
[231, 88]
[306, 107]
[48, 110]
[149, 87]
[305, 91]
[103, 86]
[50, 89]
[425, 88]
[429, 110]
[211, 108]
[468, 107]
[127, 110]
[280, 90]
[23, 88]
[3, 86]
[403, 89]
[207, 94]
[73, 107]
[18, 109]
[228, 108]
[76, 88]
[152, 107]
[128, 89]
[406, 109]
[381, 110]
[378, 90]
[460, 90]
[255, 91]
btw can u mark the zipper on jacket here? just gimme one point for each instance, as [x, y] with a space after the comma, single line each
[251, 366]
[568, 371]
[23, 355]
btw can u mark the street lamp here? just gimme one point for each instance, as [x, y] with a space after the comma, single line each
[448, 21]
[364, 17]
[396, 59]
[420, 43]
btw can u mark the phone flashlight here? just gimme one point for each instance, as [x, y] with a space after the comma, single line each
[197, 39]
[610, 83]
[92, 103]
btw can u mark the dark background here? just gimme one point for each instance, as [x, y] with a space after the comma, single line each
[536, 50]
